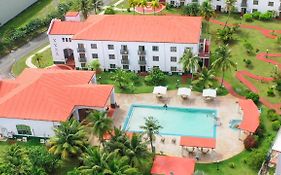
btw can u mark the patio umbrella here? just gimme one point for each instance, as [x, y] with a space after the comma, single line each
[209, 93]
[184, 91]
[160, 90]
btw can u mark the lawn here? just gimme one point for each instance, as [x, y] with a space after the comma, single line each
[46, 59]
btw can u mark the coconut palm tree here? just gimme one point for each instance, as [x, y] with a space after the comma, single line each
[206, 78]
[85, 6]
[15, 161]
[97, 5]
[207, 12]
[189, 62]
[143, 4]
[230, 6]
[155, 4]
[133, 4]
[151, 128]
[69, 140]
[223, 60]
[100, 124]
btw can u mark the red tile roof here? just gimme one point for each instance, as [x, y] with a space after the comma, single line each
[198, 142]
[251, 115]
[176, 165]
[132, 28]
[72, 14]
[50, 95]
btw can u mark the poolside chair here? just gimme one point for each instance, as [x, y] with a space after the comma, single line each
[174, 140]
[205, 150]
[162, 140]
[24, 139]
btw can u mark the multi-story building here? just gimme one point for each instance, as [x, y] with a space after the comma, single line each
[136, 43]
[243, 6]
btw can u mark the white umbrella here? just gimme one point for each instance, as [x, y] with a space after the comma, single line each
[184, 91]
[160, 90]
[209, 93]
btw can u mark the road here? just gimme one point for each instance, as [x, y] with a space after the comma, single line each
[7, 61]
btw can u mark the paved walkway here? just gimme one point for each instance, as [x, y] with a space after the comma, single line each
[28, 61]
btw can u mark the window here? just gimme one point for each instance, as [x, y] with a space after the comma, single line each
[124, 47]
[256, 2]
[69, 39]
[142, 58]
[173, 69]
[95, 56]
[194, 0]
[188, 48]
[254, 10]
[155, 58]
[173, 49]
[155, 67]
[112, 66]
[126, 66]
[110, 47]
[83, 65]
[141, 48]
[173, 59]
[66, 39]
[155, 48]
[62, 39]
[111, 56]
[271, 4]
[82, 55]
[23, 129]
[94, 46]
[125, 57]
[172, 2]
[80, 45]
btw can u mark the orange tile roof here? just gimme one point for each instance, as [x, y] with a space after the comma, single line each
[50, 95]
[251, 115]
[133, 28]
[176, 165]
[72, 14]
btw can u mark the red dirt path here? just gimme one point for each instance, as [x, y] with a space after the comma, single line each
[241, 75]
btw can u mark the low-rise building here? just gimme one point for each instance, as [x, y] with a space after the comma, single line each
[136, 43]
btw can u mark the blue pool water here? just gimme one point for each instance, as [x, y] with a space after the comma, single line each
[195, 122]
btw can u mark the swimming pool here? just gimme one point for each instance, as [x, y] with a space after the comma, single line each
[196, 122]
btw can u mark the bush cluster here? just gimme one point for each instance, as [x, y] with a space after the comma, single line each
[259, 16]
[251, 142]
[155, 78]
[253, 96]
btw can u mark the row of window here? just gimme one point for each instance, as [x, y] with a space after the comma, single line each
[124, 47]
[113, 66]
[270, 3]
[66, 39]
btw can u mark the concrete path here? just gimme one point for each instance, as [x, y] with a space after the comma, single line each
[28, 61]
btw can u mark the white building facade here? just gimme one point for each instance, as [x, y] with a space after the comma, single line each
[139, 56]
[243, 6]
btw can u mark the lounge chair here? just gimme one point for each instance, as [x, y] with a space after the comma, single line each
[163, 140]
[174, 140]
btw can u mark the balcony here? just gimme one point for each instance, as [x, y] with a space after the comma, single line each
[244, 3]
[82, 59]
[280, 8]
[141, 52]
[80, 49]
[124, 51]
[124, 61]
[142, 62]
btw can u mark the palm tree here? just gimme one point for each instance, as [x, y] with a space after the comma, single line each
[69, 140]
[143, 4]
[97, 5]
[151, 127]
[206, 78]
[16, 161]
[222, 61]
[93, 161]
[207, 12]
[155, 4]
[230, 6]
[100, 124]
[189, 62]
[133, 4]
[85, 6]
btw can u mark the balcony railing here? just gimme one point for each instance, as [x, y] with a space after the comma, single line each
[83, 59]
[141, 52]
[124, 52]
[142, 62]
[244, 3]
[124, 61]
[80, 49]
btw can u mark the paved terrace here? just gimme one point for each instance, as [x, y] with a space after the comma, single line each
[228, 143]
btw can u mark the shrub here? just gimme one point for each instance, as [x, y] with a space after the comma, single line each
[256, 158]
[226, 34]
[248, 17]
[155, 78]
[94, 65]
[109, 11]
[276, 125]
[256, 15]
[129, 9]
[248, 63]
[222, 91]
[270, 92]
[232, 165]
[266, 16]
[253, 96]
[249, 47]
[250, 142]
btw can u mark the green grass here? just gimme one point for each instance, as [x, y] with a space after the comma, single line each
[46, 59]
[20, 65]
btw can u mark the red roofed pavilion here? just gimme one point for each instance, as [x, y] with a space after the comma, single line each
[168, 165]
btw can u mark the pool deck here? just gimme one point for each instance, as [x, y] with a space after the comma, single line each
[228, 143]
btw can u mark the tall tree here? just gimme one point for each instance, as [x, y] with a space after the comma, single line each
[155, 4]
[85, 6]
[223, 60]
[151, 128]
[207, 12]
[133, 4]
[100, 124]
[97, 5]
[206, 78]
[69, 140]
[16, 162]
[189, 62]
[230, 6]
[122, 78]
[143, 4]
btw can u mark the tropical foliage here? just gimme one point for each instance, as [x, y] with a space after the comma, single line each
[205, 79]
[192, 9]
[156, 77]
[94, 65]
[189, 62]
[155, 4]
